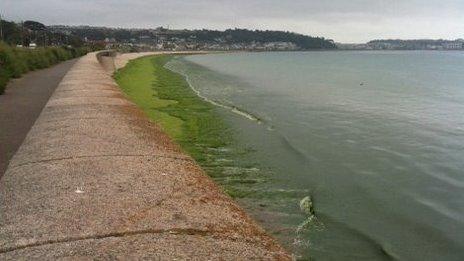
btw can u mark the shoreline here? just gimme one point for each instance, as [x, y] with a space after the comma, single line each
[233, 109]
[227, 163]
[187, 118]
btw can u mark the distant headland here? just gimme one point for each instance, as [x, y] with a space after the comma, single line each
[397, 44]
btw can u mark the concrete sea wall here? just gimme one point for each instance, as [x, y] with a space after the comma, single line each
[94, 178]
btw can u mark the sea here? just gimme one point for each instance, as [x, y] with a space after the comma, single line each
[345, 155]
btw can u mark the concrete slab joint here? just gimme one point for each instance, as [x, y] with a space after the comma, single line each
[94, 178]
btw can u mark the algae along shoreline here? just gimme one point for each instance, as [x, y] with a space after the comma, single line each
[168, 100]
[205, 132]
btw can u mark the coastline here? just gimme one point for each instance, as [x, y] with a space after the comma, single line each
[215, 103]
[189, 119]
[104, 177]
[225, 158]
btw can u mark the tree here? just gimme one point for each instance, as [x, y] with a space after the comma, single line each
[34, 26]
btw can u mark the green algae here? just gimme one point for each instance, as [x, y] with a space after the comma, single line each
[169, 101]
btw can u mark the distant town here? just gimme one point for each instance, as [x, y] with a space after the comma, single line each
[424, 44]
[34, 34]
[179, 40]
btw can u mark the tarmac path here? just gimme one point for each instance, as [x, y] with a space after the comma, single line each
[22, 103]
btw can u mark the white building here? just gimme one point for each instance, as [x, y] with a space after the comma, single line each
[453, 45]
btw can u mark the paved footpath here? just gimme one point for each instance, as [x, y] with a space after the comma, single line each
[22, 103]
[95, 179]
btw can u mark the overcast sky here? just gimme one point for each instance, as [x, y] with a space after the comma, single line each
[341, 20]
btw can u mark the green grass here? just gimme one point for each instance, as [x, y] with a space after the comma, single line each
[169, 101]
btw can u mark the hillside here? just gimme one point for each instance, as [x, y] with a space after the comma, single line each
[162, 38]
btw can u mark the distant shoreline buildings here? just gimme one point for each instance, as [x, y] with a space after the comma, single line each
[424, 44]
[180, 40]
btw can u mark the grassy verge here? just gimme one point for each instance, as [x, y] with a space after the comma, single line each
[169, 101]
[16, 61]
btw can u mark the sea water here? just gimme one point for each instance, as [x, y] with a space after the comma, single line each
[350, 155]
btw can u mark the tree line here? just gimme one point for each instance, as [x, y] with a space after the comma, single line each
[27, 32]
[249, 36]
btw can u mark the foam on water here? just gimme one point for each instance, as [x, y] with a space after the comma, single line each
[231, 108]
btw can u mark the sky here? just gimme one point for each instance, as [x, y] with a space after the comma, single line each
[348, 21]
